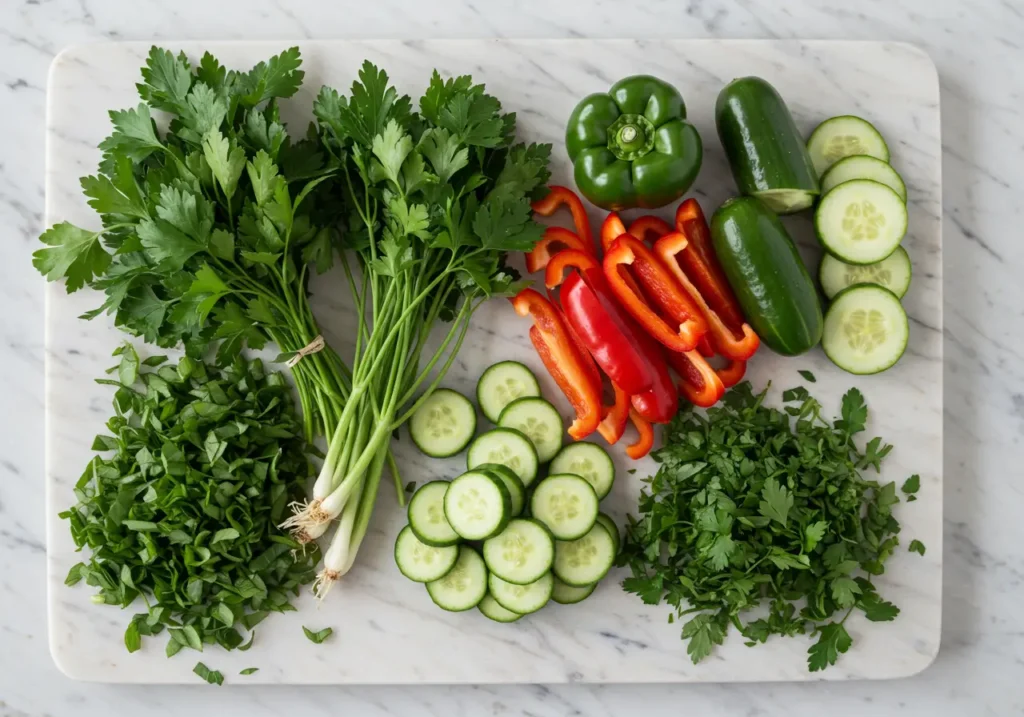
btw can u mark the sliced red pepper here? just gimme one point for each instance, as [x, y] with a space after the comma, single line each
[563, 196]
[563, 359]
[645, 439]
[628, 252]
[698, 381]
[688, 254]
[660, 402]
[732, 373]
[611, 229]
[555, 239]
[704, 345]
[614, 423]
[649, 227]
[608, 333]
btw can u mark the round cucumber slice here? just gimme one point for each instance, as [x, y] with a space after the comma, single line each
[586, 560]
[613, 530]
[503, 383]
[465, 584]
[477, 505]
[893, 272]
[521, 599]
[426, 515]
[507, 447]
[521, 553]
[866, 331]
[492, 610]
[516, 489]
[420, 562]
[862, 166]
[539, 421]
[444, 424]
[590, 462]
[844, 136]
[565, 594]
[566, 504]
[861, 221]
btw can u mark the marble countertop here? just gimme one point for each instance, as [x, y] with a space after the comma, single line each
[975, 49]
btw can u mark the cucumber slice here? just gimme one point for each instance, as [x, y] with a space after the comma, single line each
[420, 562]
[516, 489]
[493, 611]
[521, 553]
[508, 447]
[613, 530]
[588, 461]
[566, 504]
[566, 594]
[444, 424]
[866, 331]
[844, 136]
[477, 505]
[522, 599]
[465, 584]
[539, 421]
[893, 272]
[861, 166]
[503, 383]
[861, 221]
[586, 560]
[426, 515]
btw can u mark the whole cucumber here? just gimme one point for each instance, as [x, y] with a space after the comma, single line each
[767, 275]
[766, 152]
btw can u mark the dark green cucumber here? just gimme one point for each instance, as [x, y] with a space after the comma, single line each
[767, 275]
[766, 152]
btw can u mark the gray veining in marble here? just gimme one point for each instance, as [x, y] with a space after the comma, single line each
[976, 47]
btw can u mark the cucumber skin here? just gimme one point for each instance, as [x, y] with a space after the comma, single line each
[768, 276]
[761, 141]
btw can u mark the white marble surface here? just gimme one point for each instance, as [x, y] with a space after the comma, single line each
[976, 49]
[388, 629]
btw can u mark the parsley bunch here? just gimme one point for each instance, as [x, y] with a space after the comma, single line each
[209, 228]
[748, 509]
[181, 504]
[434, 199]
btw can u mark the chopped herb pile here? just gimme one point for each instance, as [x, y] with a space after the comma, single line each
[181, 504]
[751, 507]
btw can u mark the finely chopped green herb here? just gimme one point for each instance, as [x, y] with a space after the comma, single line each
[180, 505]
[758, 506]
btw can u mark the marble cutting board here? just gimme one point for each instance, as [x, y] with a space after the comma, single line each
[386, 628]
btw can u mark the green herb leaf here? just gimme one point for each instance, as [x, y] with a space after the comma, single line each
[807, 375]
[319, 636]
[833, 640]
[776, 501]
[211, 676]
[73, 254]
[912, 484]
[249, 671]
[916, 546]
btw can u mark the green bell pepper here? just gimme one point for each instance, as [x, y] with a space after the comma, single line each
[632, 146]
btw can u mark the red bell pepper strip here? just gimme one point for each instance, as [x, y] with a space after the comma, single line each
[660, 402]
[559, 196]
[704, 345]
[555, 239]
[614, 423]
[732, 373]
[649, 227]
[608, 333]
[563, 360]
[645, 439]
[688, 254]
[698, 381]
[663, 290]
[611, 229]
